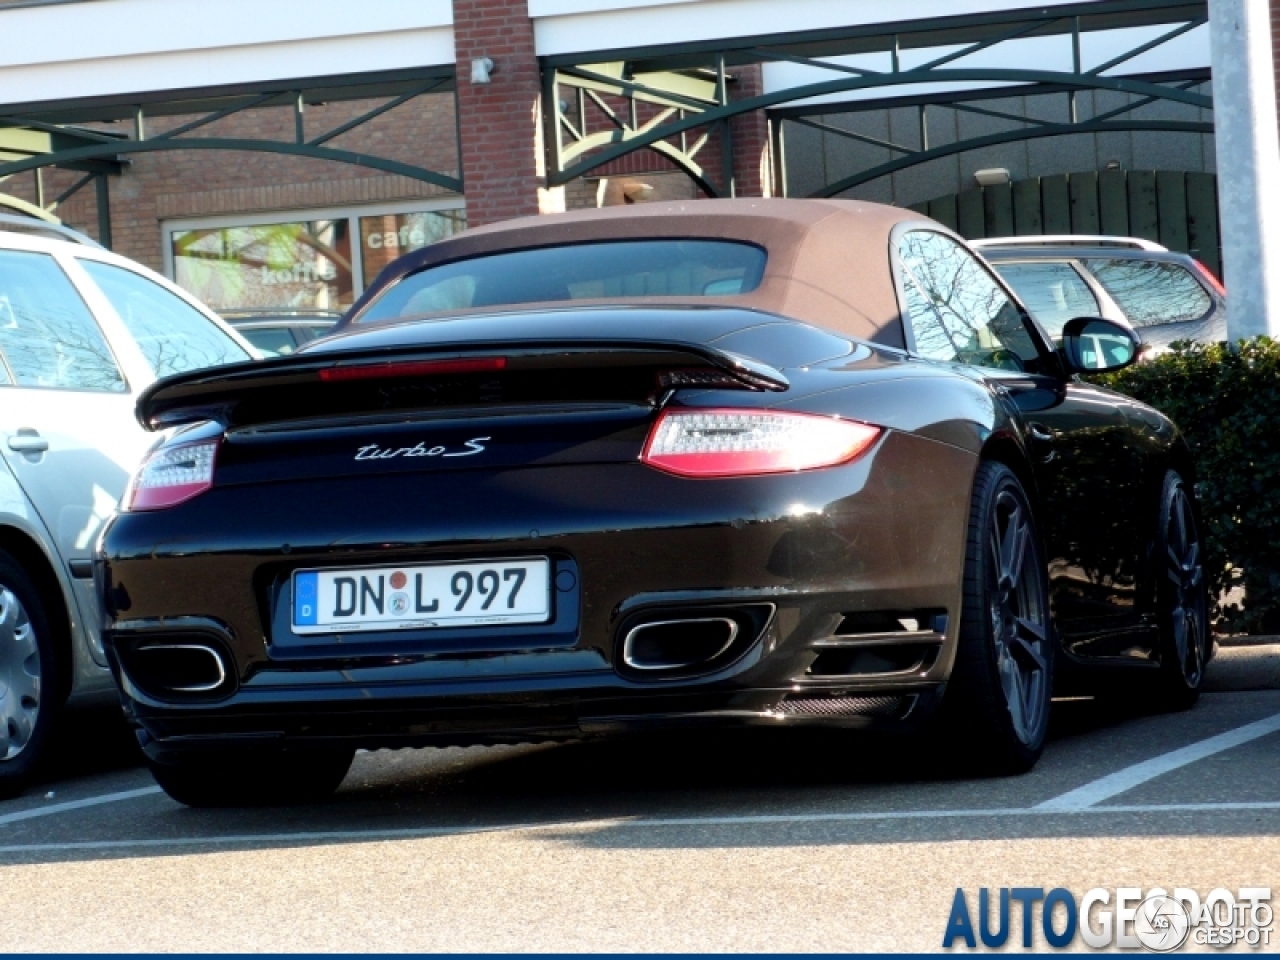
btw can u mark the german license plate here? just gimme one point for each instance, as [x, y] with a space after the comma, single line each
[479, 593]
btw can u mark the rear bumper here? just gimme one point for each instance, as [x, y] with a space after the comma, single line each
[544, 715]
[844, 559]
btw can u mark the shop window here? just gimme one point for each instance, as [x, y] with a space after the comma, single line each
[271, 265]
[301, 263]
[385, 238]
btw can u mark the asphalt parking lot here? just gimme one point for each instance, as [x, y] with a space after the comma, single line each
[766, 842]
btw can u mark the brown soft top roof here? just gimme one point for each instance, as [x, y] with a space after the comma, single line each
[828, 260]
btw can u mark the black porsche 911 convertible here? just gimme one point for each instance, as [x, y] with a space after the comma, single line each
[772, 462]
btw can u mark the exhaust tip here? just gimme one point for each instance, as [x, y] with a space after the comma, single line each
[178, 669]
[674, 643]
[678, 644]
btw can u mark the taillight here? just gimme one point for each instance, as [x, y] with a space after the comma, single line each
[734, 443]
[171, 475]
[1212, 278]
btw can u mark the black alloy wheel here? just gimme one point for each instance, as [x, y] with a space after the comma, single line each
[998, 696]
[252, 779]
[1182, 599]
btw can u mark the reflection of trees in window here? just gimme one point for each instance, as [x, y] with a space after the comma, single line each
[173, 336]
[1152, 291]
[981, 322]
[47, 335]
[931, 337]
[276, 265]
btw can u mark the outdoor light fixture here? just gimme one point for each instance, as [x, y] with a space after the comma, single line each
[481, 68]
[992, 176]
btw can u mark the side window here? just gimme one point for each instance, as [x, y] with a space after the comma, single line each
[1152, 291]
[979, 321]
[931, 337]
[1052, 291]
[174, 337]
[48, 337]
[272, 341]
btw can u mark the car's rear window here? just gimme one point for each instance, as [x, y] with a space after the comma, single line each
[1151, 292]
[1052, 291]
[614, 270]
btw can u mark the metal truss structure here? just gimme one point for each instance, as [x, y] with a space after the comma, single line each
[56, 135]
[663, 98]
[674, 100]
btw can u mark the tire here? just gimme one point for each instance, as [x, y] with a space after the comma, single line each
[29, 671]
[1182, 599]
[252, 780]
[995, 712]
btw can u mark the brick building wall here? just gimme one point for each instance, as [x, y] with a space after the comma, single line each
[195, 183]
[501, 157]
[751, 159]
[500, 120]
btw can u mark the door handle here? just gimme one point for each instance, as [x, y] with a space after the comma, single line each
[28, 443]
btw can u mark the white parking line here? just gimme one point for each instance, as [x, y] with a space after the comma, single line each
[76, 804]
[1114, 784]
[418, 833]
[1082, 800]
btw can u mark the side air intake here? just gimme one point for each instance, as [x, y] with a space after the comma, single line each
[879, 643]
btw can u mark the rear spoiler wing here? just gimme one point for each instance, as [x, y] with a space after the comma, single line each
[248, 392]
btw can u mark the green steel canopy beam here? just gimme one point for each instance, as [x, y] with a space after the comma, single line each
[1010, 136]
[623, 143]
[124, 147]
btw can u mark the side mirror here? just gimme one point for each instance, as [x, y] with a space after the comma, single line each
[1095, 345]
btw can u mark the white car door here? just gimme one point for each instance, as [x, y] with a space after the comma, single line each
[67, 427]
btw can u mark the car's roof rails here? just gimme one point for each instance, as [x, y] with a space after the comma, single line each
[1071, 240]
[13, 223]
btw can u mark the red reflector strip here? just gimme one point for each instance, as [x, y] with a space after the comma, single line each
[157, 498]
[414, 368]
[1212, 277]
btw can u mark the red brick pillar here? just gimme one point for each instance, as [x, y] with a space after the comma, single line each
[500, 121]
[751, 172]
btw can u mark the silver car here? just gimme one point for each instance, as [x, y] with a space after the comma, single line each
[82, 331]
[1161, 295]
[276, 333]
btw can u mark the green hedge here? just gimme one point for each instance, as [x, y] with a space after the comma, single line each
[1226, 401]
